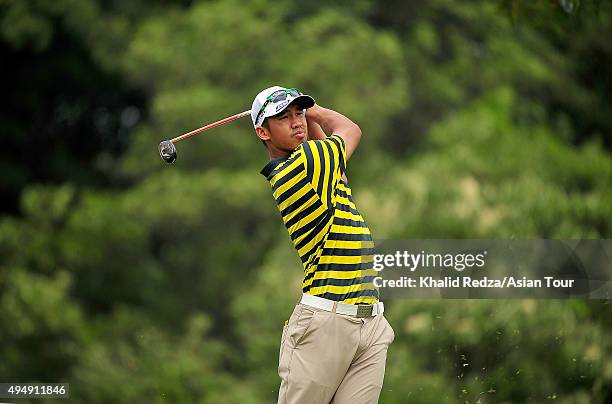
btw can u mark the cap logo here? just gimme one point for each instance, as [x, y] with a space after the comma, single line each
[282, 105]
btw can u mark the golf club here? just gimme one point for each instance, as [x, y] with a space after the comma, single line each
[167, 150]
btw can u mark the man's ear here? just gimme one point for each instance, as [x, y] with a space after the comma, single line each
[262, 133]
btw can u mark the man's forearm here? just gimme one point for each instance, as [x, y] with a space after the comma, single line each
[332, 122]
[314, 130]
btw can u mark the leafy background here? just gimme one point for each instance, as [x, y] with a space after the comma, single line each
[135, 281]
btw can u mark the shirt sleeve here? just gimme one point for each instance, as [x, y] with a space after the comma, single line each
[325, 163]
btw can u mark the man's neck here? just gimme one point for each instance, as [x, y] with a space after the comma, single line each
[275, 153]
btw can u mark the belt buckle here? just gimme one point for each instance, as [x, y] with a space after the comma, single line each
[364, 310]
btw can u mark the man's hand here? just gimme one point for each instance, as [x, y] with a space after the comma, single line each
[332, 122]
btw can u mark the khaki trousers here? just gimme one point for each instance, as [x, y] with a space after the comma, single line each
[332, 358]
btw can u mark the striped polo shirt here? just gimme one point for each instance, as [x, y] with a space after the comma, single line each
[329, 234]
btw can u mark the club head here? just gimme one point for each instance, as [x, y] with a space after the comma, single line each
[167, 151]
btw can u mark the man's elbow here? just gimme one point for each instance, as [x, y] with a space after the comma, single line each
[356, 132]
[351, 134]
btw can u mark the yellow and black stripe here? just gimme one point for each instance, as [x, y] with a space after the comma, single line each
[331, 237]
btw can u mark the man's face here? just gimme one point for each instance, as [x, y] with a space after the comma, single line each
[287, 131]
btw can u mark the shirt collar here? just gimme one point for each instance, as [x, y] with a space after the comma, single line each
[268, 168]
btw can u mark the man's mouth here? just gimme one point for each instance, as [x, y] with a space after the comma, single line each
[299, 134]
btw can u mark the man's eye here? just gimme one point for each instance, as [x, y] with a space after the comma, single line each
[299, 113]
[282, 117]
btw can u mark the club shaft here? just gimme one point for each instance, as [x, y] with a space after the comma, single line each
[210, 125]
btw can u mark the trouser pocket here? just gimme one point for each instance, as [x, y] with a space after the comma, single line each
[298, 329]
[282, 341]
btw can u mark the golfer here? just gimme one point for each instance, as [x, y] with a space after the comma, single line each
[334, 345]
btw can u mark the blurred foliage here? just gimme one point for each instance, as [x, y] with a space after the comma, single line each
[139, 282]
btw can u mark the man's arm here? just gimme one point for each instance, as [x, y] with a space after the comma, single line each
[314, 129]
[332, 122]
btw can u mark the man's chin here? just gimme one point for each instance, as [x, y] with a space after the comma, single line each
[298, 142]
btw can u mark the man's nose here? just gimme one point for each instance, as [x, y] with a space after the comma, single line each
[295, 120]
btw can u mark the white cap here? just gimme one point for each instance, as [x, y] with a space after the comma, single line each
[272, 108]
